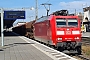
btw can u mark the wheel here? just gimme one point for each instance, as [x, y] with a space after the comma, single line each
[60, 49]
[79, 50]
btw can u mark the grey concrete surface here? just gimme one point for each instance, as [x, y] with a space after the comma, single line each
[17, 49]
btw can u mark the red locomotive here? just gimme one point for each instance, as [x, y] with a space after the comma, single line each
[58, 29]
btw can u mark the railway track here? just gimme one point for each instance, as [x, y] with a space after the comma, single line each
[86, 41]
[82, 57]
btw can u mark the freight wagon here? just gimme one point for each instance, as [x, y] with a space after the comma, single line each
[25, 29]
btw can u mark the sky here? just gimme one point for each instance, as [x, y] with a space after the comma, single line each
[70, 5]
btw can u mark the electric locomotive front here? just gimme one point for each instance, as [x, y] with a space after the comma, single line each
[66, 33]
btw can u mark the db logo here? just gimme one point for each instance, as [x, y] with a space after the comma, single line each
[68, 32]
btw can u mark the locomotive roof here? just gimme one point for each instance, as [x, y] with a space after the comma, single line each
[43, 18]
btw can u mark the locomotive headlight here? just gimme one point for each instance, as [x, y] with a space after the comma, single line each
[76, 38]
[59, 38]
[75, 32]
[60, 32]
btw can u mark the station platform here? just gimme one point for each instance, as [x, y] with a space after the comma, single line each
[21, 48]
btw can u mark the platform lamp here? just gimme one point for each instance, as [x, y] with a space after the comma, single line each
[47, 8]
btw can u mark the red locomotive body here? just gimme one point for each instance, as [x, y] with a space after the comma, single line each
[62, 32]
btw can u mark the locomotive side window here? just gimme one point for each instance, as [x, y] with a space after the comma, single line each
[60, 22]
[72, 22]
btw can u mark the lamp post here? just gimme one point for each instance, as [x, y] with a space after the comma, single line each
[2, 30]
[36, 10]
[48, 9]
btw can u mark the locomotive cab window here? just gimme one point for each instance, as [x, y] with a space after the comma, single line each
[72, 22]
[60, 22]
